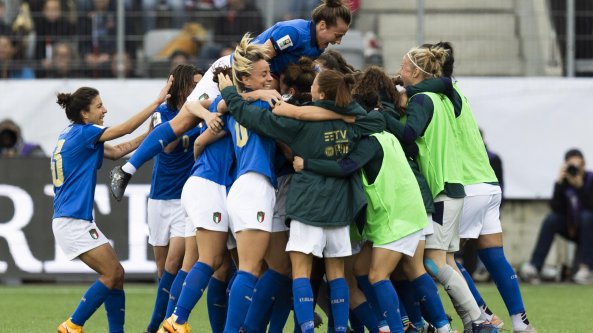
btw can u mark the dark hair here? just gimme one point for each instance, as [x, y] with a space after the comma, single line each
[336, 86]
[76, 102]
[226, 70]
[183, 84]
[573, 153]
[449, 59]
[369, 99]
[375, 79]
[299, 76]
[329, 11]
[332, 59]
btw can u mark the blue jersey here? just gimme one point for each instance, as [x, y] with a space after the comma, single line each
[217, 160]
[74, 165]
[253, 152]
[171, 170]
[291, 40]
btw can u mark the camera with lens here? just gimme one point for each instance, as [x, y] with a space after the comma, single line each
[572, 170]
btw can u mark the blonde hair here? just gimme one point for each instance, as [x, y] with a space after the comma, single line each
[243, 58]
[428, 60]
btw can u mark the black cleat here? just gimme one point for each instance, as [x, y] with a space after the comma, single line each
[317, 320]
[119, 181]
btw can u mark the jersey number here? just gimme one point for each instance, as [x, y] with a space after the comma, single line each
[241, 134]
[57, 173]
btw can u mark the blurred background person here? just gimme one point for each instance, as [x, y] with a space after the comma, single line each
[64, 63]
[571, 218]
[50, 27]
[12, 143]
[12, 65]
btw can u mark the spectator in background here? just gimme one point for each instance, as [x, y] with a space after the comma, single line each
[50, 28]
[571, 217]
[12, 143]
[232, 21]
[11, 65]
[97, 38]
[4, 28]
[63, 64]
[178, 58]
[300, 9]
[127, 63]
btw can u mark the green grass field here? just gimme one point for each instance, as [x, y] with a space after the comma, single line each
[552, 308]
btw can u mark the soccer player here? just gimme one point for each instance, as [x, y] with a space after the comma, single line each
[283, 43]
[211, 174]
[430, 125]
[78, 154]
[166, 218]
[481, 208]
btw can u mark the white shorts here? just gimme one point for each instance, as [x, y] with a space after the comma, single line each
[75, 236]
[250, 203]
[406, 245]
[279, 220]
[207, 88]
[328, 242]
[209, 211]
[446, 224]
[166, 219]
[481, 216]
[429, 229]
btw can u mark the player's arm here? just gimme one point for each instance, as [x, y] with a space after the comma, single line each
[200, 110]
[308, 113]
[367, 148]
[441, 85]
[136, 120]
[271, 96]
[205, 139]
[120, 150]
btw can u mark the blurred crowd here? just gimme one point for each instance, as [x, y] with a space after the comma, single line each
[77, 38]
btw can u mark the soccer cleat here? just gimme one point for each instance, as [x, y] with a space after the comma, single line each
[583, 276]
[169, 325]
[69, 327]
[484, 327]
[119, 180]
[528, 329]
[529, 273]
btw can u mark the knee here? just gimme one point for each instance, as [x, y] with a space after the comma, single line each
[376, 276]
[115, 277]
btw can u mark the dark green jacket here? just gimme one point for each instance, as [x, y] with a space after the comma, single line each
[314, 199]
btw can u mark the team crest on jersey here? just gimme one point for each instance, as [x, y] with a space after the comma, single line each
[216, 217]
[284, 42]
[261, 216]
[94, 233]
[204, 96]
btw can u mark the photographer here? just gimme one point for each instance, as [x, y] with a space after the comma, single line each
[571, 217]
[12, 143]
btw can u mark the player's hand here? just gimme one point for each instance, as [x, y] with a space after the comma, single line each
[281, 108]
[271, 96]
[214, 122]
[164, 93]
[298, 164]
[224, 81]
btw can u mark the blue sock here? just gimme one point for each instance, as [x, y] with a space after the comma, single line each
[303, 304]
[339, 296]
[411, 304]
[239, 300]
[471, 284]
[160, 304]
[90, 302]
[196, 282]
[266, 289]
[505, 278]
[367, 317]
[217, 304]
[174, 292]
[153, 144]
[369, 293]
[428, 294]
[389, 304]
[115, 306]
[281, 308]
